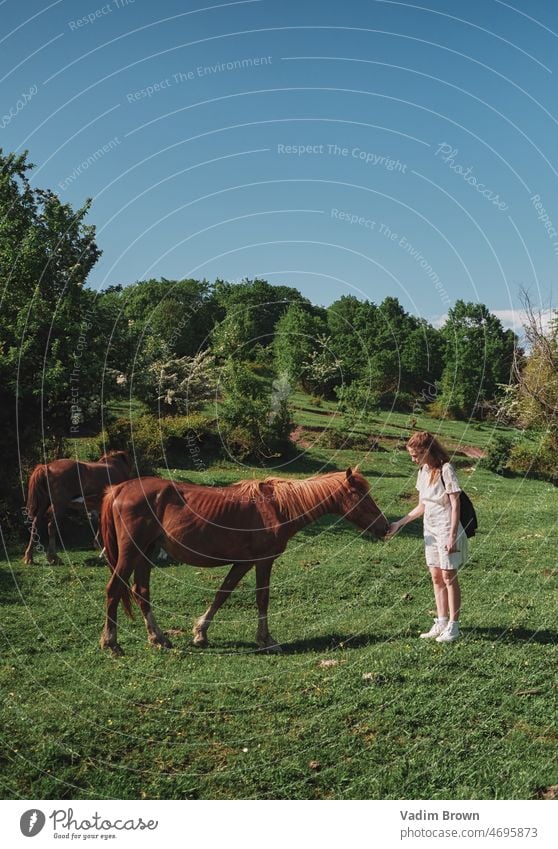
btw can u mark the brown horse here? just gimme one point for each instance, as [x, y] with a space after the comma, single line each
[54, 488]
[248, 523]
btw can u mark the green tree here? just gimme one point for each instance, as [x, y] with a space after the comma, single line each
[169, 318]
[352, 325]
[321, 371]
[478, 358]
[253, 422]
[51, 363]
[422, 359]
[251, 310]
[297, 337]
[389, 350]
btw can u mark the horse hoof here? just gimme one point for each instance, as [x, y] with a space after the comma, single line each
[270, 646]
[115, 650]
[201, 641]
[160, 642]
[112, 647]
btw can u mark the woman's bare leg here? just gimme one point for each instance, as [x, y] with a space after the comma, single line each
[453, 593]
[440, 592]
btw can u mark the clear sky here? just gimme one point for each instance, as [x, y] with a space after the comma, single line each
[371, 147]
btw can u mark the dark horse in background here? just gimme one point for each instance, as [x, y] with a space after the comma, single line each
[247, 524]
[54, 488]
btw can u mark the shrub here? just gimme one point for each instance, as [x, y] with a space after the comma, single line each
[141, 438]
[153, 441]
[402, 402]
[358, 399]
[177, 385]
[337, 438]
[254, 423]
[498, 455]
[535, 460]
[439, 410]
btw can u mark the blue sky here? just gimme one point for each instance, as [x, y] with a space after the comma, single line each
[367, 147]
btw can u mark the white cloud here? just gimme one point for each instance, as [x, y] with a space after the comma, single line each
[515, 319]
[511, 319]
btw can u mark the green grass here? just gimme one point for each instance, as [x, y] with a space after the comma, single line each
[392, 717]
[386, 426]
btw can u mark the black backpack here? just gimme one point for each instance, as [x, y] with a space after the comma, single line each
[467, 515]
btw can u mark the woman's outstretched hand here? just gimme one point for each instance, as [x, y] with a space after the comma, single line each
[393, 529]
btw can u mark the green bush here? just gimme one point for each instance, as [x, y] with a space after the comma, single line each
[497, 457]
[254, 423]
[536, 460]
[141, 438]
[337, 438]
[401, 402]
[153, 441]
[439, 410]
[358, 399]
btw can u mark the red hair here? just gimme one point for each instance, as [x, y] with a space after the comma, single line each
[435, 455]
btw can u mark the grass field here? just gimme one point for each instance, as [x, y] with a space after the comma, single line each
[355, 707]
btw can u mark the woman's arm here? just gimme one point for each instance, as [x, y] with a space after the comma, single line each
[455, 502]
[416, 513]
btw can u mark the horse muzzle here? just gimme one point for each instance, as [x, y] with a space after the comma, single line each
[379, 527]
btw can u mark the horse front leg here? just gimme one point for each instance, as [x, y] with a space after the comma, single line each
[263, 637]
[93, 516]
[202, 624]
[140, 592]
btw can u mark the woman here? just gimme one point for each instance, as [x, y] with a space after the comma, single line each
[444, 538]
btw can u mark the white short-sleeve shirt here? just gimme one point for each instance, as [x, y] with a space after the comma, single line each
[435, 495]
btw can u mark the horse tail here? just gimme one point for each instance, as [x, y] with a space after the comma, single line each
[38, 497]
[110, 543]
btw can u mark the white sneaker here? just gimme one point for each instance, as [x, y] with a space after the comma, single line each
[437, 629]
[449, 634]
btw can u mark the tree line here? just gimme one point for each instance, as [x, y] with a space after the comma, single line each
[65, 350]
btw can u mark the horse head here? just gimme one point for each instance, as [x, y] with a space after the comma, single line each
[359, 507]
[122, 457]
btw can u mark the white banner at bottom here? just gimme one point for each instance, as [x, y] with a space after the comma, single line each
[269, 824]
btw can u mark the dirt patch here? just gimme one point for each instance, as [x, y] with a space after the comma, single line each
[302, 435]
[471, 451]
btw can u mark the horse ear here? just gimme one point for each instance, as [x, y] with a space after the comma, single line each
[349, 473]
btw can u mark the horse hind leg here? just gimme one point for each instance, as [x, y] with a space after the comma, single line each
[263, 637]
[140, 591]
[202, 624]
[33, 535]
[53, 523]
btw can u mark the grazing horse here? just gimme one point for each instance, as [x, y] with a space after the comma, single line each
[56, 487]
[248, 523]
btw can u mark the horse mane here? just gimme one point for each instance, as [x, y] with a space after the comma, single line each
[295, 498]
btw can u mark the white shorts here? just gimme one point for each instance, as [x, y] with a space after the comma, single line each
[435, 549]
